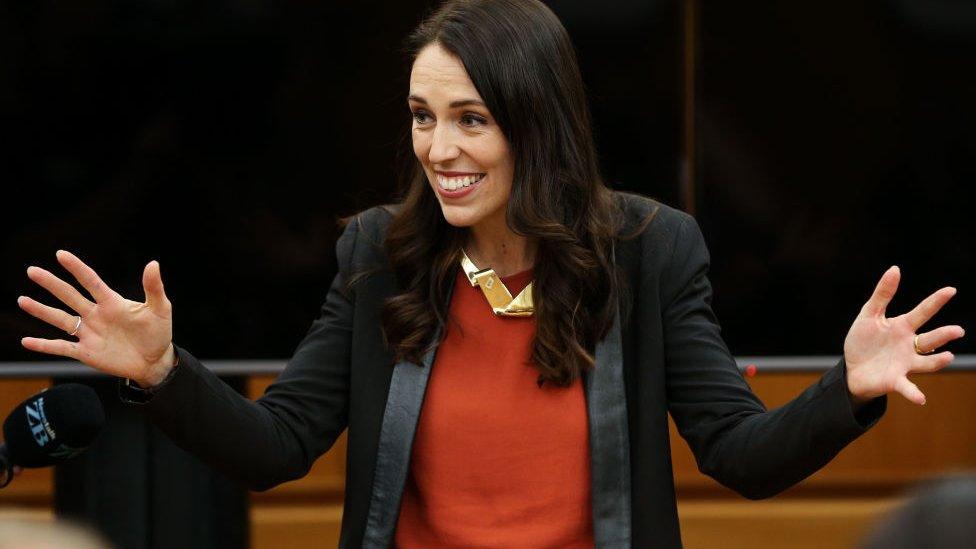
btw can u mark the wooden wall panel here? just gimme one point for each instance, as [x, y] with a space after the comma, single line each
[295, 526]
[793, 523]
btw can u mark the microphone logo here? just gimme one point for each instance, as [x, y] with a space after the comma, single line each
[37, 421]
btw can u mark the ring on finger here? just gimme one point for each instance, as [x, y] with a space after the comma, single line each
[78, 327]
[919, 349]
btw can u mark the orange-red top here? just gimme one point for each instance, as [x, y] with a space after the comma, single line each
[497, 461]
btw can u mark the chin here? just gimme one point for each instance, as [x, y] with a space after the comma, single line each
[459, 216]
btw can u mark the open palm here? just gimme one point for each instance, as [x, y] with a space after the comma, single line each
[116, 336]
[880, 352]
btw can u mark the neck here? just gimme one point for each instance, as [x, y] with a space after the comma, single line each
[493, 244]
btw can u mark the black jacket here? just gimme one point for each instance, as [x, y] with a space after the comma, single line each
[668, 356]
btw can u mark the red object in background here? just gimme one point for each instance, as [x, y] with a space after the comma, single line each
[751, 370]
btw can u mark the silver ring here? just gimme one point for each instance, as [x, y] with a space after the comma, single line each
[77, 327]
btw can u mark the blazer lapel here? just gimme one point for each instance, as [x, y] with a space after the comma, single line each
[606, 405]
[403, 404]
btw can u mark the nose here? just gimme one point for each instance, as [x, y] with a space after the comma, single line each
[443, 146]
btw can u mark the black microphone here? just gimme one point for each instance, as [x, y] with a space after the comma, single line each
[50, 427]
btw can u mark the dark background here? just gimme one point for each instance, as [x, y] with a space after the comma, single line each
[837, 139]
[831, 140]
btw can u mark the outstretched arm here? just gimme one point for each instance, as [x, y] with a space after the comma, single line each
[734, 438]
[261, 443]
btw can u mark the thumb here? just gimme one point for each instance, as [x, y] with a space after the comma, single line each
[152, 284]
[883, 292]
[910, 391]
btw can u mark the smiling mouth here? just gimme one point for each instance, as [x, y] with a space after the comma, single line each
[455, 183]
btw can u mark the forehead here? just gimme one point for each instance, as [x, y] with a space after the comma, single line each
[438, 72]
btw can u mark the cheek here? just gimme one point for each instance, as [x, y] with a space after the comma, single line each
[500, 154]
[503, 191]
[493, 154]
[503, 167]
[420, 146]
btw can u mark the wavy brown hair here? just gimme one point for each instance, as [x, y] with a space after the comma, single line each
[520, 59]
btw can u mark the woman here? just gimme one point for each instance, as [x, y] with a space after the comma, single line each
[503, 346]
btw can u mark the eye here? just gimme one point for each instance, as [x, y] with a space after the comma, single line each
[420, 117]
[472, 120]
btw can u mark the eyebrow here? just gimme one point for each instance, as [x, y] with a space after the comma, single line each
[453, 105]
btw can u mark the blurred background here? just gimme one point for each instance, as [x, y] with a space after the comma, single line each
[817, 143]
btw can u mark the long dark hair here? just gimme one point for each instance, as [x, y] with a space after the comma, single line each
[520, 59]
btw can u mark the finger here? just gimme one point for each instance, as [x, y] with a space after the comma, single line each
[883, 292]
[85, 275]
[928, 307]
[61, 290]
[932, 340]
[55, 317]
[910, 391]
[57, 347]
[932, 363]
[152, 284]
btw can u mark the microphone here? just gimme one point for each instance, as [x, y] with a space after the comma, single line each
[50, 427]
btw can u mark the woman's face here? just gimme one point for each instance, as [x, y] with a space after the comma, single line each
[463, 151]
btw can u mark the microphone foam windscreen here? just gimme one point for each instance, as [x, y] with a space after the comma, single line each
[53, 425]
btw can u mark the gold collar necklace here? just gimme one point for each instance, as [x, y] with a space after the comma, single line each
[498, 296]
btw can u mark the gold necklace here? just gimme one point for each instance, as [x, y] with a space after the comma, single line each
[498, 296]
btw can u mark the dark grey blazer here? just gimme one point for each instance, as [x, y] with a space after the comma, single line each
[666, 356]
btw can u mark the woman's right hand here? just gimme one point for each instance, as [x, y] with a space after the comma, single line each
[117, 336]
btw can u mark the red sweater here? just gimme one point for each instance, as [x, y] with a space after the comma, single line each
[497, 461]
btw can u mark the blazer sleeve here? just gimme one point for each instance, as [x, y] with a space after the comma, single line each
[276, 438]
[736, 441]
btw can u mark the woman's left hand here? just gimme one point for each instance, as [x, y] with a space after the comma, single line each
[880, 352]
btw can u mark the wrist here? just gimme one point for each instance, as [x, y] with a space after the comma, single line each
[157, 372]
[853, 393]
[858, 402]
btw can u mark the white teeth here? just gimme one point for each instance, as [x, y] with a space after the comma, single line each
[455, 183]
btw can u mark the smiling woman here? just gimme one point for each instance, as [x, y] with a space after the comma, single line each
[507, 171]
